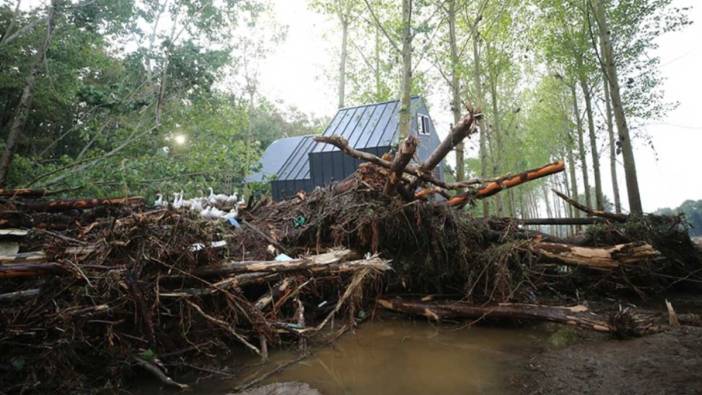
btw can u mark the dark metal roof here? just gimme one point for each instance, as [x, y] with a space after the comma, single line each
[297, 165]
[276, 156]
[367, 126]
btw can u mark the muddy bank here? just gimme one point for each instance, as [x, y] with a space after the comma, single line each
[664, 363]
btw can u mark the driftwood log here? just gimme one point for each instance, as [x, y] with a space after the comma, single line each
[59, 205]
[579, 315]
[601, 258]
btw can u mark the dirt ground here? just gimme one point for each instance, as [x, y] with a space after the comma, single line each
[664, 363]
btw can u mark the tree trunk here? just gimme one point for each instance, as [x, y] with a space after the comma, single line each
[599, 199]
[479, 100]
[494, 187]
[25, 103]
[573, 178]
[163, 80]
[406, 86]
[342, 61]
[455, 88]
[496, 134]
[610, 72]
[575, 315]
[612, 150]
[598, 258]
[581, 148]
[405, 153]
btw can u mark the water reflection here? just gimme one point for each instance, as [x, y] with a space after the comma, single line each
[401, 357]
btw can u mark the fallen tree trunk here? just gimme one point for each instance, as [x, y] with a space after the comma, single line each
[579, 315]
[591, 212]
[601, 258]
[58, 205]
[335, 261]
[559, 221]
[507, 182]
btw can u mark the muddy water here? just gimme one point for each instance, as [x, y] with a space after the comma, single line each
[405, 357]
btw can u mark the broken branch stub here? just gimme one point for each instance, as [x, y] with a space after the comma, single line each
[404, 155]
[460, 131]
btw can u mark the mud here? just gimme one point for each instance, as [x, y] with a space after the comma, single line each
[664, 363]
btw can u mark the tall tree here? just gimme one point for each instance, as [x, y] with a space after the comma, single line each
[455, 85]
[345, 12]
[610, 72]
[25, 103]
[612, 148]
[406, 80]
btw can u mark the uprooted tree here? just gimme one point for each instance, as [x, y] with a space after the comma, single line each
[103, 287]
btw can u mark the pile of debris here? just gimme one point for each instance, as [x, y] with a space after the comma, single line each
[104, 288]
[120, 287]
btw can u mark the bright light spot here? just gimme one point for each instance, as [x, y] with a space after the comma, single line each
[179, 139]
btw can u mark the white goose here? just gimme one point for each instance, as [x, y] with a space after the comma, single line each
[159, 202]
[177, 200]
[216, 198]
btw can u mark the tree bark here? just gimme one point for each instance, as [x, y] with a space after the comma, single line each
[406, 85]
[507, 182]
[25, 103]
[610, 72]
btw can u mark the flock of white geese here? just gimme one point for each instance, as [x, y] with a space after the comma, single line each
[205, 206]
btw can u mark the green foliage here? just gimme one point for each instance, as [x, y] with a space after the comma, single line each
[692, 210]
[92, 125]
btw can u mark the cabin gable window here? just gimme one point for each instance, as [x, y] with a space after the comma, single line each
[422, 124]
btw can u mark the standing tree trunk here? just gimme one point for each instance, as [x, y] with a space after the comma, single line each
[455, 88]
[342, 62]
[581, 149]
[479, 100]
[612, 146]
[610, 72]
[599, 198]
[406, 87]
[495, 132]
[25, 103]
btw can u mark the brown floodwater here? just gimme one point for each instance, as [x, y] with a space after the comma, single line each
[407, 357]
